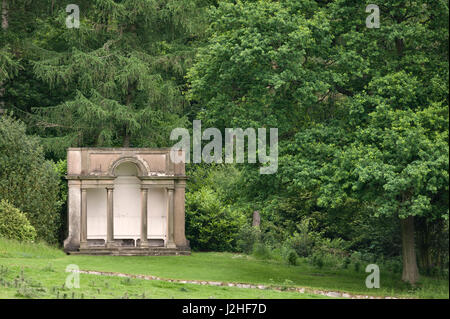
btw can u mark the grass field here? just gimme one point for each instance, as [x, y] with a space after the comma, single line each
[38, 271]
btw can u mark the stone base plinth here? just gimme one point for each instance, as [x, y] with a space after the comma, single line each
[131, 251]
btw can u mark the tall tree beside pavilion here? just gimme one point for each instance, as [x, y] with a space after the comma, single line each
[122, 70]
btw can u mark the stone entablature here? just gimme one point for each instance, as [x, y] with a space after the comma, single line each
[92, 170]
[103, 161]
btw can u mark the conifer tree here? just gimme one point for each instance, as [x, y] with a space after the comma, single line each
[122, 71]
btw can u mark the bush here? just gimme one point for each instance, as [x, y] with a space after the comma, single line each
[247, 237]
[61, 170]
[357, 261]
[210, 225]
[330, 253]
[346, 262]
[27, 180]
[304, 240]
[302, 244]
[261, 251]
[292, 258]
[14, 224]
[394, 265]
[317, 259]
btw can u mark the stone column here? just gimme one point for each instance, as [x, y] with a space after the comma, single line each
[83, 231]
[109, 217]
[171, 242]
[144, 196]
[72, 242]
[179, 214]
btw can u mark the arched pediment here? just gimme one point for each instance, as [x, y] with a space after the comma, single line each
[141, 167]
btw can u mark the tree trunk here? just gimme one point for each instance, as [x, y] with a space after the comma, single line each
[424, 245]
[5, 21]
[410, 270]
[126, 139]
[5, 24]
[256, 219]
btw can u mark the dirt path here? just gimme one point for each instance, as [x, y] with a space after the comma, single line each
[332, 294]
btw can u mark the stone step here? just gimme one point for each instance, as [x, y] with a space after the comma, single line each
[131, 251]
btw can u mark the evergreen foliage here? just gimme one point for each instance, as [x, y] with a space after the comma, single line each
[14, 224]
[27, 180]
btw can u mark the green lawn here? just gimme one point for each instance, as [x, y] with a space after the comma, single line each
[44, 266]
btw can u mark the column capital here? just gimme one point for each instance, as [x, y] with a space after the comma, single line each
[180, 183]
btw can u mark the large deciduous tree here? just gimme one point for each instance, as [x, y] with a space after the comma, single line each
[397, 160]
[262, 65]
[363, 113]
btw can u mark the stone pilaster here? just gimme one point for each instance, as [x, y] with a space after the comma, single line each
[83, 232]
[144, 197]
[109, 217]
[170, 198]
[179, 214]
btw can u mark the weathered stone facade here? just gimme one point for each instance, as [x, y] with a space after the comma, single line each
[125, 201]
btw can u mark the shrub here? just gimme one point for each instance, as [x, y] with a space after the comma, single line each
[330, 253]
[61, 170]
[14, 224]
[317, 260]
[261, 251]
[346, 262]
[302, 244]
[394, 265]
[292, 258]
[247, 237]
[357, 266]
[356, 259]
[334, 247]
[210, 225]
[27, 180]
[304, 240]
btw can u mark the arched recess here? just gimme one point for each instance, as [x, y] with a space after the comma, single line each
[142, 169]
[127, 206]
[127, 202]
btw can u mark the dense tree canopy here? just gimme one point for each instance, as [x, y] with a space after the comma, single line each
[362, 113]
[122, 71]
[367, 108]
